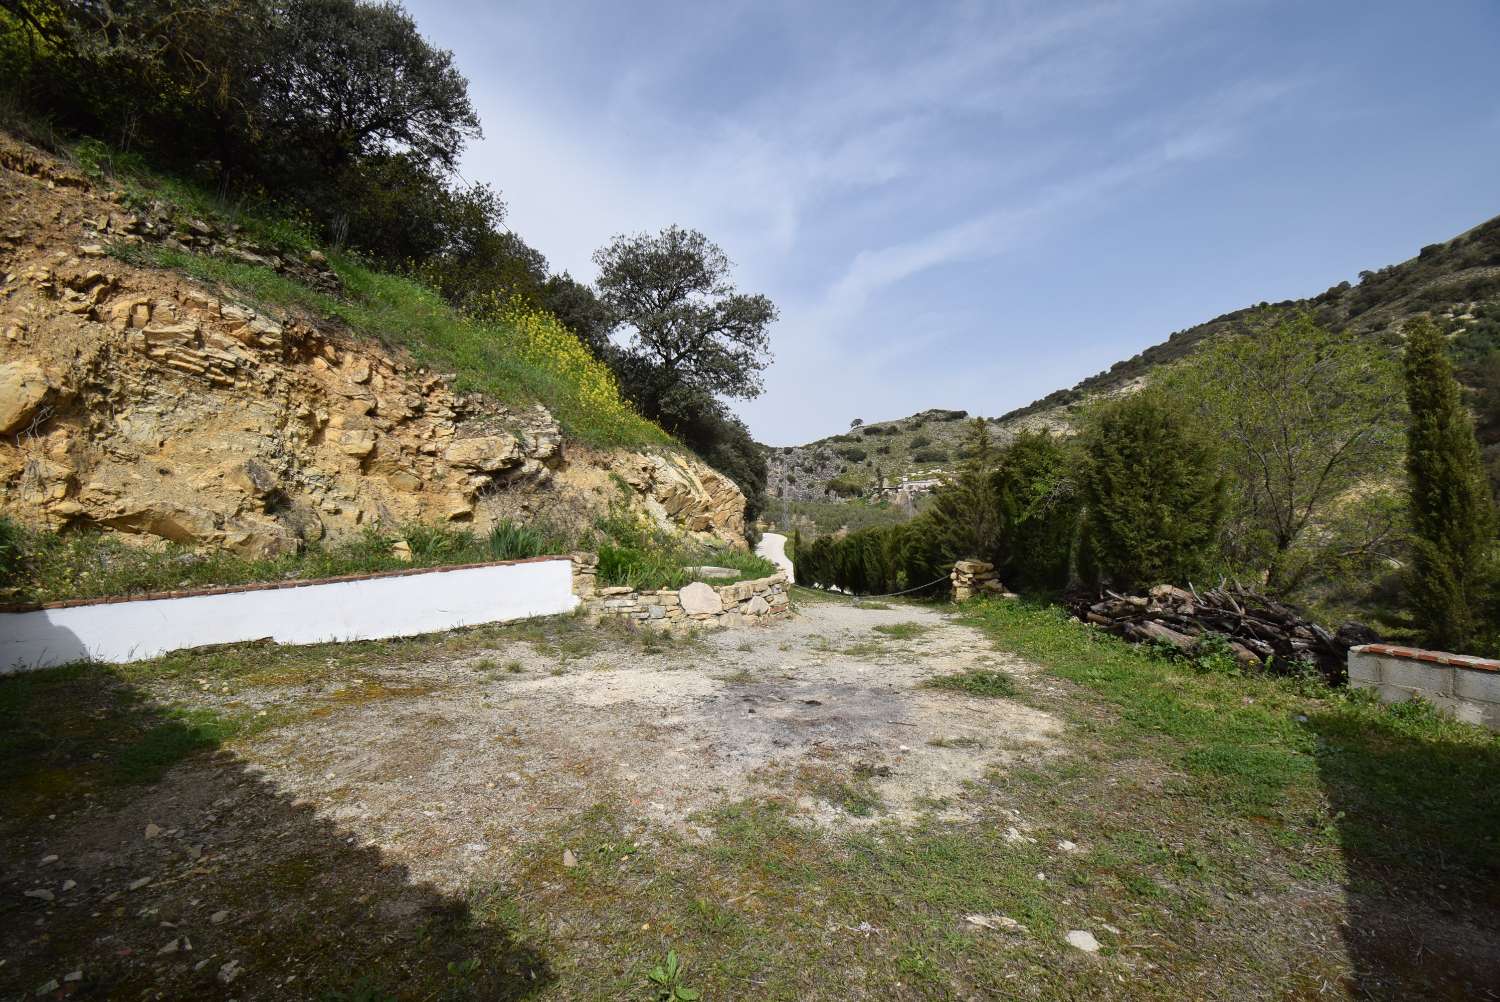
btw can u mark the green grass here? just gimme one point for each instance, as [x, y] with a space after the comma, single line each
[990, 684]
[1225, 861]
[631, 556]
[1414, 787]
[56, 567]
[903, 631]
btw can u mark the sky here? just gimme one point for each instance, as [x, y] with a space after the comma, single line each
[970, 205]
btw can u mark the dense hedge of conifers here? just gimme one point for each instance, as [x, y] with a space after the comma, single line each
[877, 561]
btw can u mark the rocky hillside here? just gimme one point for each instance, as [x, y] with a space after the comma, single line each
[139, 400]
[1457, 281]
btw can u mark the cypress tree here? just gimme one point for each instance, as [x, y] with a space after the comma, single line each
[1037, 498]
[1155, 499]
[1452, 517]
[964, 513]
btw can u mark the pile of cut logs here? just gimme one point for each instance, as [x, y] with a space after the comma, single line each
[1261, 631]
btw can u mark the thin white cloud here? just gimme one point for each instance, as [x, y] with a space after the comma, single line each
[866, 157]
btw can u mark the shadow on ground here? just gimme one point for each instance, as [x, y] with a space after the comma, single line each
[1423, 868]
[179, 873]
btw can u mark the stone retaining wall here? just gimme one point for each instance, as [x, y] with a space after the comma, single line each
[698, 605]
[1466, 687]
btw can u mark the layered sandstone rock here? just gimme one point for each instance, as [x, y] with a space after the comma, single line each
[138, 400]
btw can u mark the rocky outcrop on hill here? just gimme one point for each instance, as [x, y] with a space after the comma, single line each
[137, 400]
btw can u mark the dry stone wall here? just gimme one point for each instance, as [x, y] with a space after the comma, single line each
[695, 606]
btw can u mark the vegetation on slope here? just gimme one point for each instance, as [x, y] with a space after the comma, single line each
[340, 115]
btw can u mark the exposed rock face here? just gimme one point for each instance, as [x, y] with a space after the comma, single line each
[680, 492]
[136, 400]
[23, 387]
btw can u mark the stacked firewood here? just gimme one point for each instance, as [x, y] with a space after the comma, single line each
[1260, 631]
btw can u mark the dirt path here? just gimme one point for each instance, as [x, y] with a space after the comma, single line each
[822, 710]
[772, 546]
[394, 780]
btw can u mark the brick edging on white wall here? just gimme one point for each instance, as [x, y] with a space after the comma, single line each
[1466, 687]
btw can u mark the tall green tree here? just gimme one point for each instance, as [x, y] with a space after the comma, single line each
[1452, 516]
[1037, 499]
[689, 325]
[964, 512]
[1154, 494]
[1302, 416]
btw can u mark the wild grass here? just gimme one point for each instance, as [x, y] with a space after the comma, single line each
[50, 567]
[633, 556]
[989, 684]
[903, 631]
[1257, 746]
[517, 355]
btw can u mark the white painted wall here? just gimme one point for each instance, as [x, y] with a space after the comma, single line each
[368, 609]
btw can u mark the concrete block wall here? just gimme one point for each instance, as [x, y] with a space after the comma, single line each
[697, 605]
[1466, 687]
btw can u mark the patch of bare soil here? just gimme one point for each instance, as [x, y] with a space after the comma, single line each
[470, 763]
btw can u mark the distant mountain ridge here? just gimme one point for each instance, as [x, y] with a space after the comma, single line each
[1457, 281]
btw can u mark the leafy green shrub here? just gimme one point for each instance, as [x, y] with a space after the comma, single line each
[845, 486]
[12, 553]
[920, 441]
[1212, 653]
[929, 456]
[509, 541]
[853, 454]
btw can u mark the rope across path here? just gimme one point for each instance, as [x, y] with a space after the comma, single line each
[855, 599]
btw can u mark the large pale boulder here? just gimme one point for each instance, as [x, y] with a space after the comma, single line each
[698, 599]
[488, 453]
[23, 387]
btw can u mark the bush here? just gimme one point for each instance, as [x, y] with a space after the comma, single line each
[632, 556]
[852, 454]
[1155, 499]
[12, 554]
[929, 456]
[920, 442]
[846, 487]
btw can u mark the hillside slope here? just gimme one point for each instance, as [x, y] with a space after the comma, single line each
[1457, 281]
[234, 401]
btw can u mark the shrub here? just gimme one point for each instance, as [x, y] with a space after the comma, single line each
[929, 456]
[845, 487]
[853, 454]
[920, 442]
[12, 554]
[1155, 498]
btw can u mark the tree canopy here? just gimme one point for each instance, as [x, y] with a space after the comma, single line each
[1303, 417]
[687, 321]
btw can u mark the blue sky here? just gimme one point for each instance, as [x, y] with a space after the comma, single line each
[971, 205]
